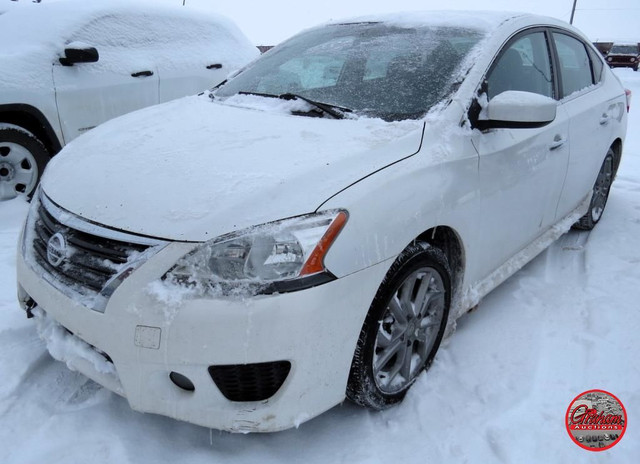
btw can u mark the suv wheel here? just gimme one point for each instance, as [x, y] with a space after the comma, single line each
[22, 161]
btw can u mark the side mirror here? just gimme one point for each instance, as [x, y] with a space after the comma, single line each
[79, 53]
[516, 109]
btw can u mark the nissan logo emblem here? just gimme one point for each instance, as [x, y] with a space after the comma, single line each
[56, 249]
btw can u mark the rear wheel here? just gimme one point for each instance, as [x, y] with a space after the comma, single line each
[22, 161]
[600, 195]
[403, 329]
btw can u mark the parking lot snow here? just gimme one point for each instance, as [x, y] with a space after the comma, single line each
[497, 391]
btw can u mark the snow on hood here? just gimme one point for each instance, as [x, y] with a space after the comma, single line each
[33, 38]
[194, 169]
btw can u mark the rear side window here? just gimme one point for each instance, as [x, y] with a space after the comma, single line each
[597, 65]
[524, 65]
[575, 65]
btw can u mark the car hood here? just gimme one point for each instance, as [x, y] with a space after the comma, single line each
[194, 169]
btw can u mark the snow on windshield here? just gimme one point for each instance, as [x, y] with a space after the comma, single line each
[375, 69]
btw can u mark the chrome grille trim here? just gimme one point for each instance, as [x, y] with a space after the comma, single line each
[99, 258]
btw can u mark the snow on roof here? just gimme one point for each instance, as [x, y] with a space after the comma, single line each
[482, 20]
[31, 38]
[52, 24]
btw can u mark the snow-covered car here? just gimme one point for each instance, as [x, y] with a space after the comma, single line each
[68, 66]
[624, 55]
[311, 229]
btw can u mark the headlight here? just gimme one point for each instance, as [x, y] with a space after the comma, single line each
[633, 60]
[609, 58]
[281, 256]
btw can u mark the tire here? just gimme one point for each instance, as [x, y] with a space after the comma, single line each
[22, 160]
[600, 195]
[392, 331]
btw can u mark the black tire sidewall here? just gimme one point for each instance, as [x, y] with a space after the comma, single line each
[609, 156]
[587, 222]
[416, 256]
[31, 143]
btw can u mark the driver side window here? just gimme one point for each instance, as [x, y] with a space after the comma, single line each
[524, 65]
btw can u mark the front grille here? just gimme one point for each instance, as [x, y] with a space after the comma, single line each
[89, 261]
[250, 382]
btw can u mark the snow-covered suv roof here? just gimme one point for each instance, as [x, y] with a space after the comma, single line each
[50, 25]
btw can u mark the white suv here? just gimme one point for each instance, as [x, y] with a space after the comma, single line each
[69, 66]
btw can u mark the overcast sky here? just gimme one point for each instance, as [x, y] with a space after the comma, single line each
[270, 21]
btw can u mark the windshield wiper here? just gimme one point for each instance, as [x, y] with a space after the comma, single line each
[334, 111]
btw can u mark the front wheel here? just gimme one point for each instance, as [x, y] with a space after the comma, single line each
[22, 161]
[600, 195]
[403, 329]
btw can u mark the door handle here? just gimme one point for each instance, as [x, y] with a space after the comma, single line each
[214, 66]
[604, 120]
[558, 141]
[142, 74]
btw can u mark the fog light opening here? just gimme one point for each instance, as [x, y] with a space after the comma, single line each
[182, 382]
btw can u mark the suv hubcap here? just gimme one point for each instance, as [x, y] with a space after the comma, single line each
[18, 170]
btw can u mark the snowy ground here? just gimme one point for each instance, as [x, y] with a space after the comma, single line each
[497, 392]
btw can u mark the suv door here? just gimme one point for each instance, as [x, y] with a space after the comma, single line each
[593, 110]
[192, 56]
[124, 78]
[521, 170]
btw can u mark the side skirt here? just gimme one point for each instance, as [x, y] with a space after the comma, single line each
[470, 297]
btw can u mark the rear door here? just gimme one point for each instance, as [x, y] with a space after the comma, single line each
[594, 111]
[124, 78]
[521, 169]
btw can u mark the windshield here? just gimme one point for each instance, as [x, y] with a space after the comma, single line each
[624, 49]
[370, 68]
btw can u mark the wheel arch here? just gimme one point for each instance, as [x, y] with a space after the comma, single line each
[31, 119]
[448, 240]
[617, 150]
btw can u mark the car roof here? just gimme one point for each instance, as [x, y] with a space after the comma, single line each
[473, 19]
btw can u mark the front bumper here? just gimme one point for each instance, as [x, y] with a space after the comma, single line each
[622, 64]
[315, 330]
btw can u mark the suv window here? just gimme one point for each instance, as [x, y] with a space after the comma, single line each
[524, 65]
[575, 65]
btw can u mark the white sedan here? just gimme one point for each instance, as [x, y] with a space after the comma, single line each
[312, 228]
[71, 65]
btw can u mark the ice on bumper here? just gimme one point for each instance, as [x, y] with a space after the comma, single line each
[69, 349]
